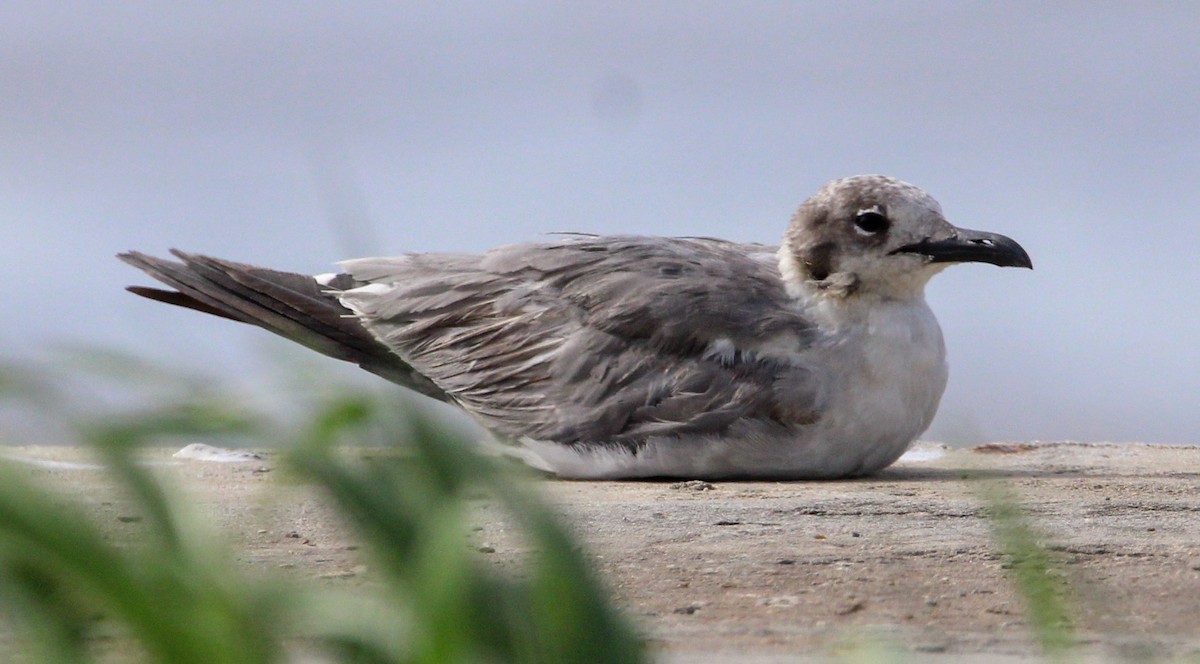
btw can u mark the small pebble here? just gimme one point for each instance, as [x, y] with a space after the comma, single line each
[486, 549]
[694, 485]
[853, 608]
[129, 519]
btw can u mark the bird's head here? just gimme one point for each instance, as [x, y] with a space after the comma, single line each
[875, 236]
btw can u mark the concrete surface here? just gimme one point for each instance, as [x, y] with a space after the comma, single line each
[768, 572]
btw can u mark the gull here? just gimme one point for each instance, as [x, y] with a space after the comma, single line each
[605, 357]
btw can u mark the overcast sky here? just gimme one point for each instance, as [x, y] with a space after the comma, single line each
[294, 135]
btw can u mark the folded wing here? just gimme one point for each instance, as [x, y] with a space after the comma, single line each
[597, 340]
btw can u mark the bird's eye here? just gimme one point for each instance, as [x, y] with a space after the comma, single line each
[871, 222]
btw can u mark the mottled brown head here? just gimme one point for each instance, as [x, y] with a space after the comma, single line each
[876, 235]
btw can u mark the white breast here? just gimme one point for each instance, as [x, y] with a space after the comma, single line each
[890, 369]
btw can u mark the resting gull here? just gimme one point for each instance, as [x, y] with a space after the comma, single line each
[635, 356]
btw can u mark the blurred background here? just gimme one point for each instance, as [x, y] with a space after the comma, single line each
[292, 135]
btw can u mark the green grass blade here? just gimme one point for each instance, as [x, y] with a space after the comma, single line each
[1034, 572]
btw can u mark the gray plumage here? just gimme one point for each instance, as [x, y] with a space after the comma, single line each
[622, 356]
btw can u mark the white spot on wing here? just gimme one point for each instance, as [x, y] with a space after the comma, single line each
[721, 350]
[326, 278]
[370, 289]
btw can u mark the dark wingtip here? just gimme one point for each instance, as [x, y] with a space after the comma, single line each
[140, 260]
[180, 300]
[160, 269]
[132, 257]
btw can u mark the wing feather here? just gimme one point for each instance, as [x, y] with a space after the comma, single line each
[596, 339]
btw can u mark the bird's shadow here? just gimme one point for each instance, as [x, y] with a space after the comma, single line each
[907, 474]
[916, 474]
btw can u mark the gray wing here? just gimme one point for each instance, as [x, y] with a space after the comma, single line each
[597, 339]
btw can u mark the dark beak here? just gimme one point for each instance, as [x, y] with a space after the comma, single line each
[968, 246]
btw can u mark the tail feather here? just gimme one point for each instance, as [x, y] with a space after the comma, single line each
[293, 306]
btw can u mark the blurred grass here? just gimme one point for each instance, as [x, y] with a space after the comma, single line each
[1036, 574]
[178, 596]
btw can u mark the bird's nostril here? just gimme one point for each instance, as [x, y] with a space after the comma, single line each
[983, 241]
